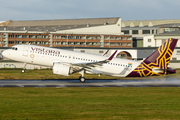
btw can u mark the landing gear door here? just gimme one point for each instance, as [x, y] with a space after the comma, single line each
[25, 51]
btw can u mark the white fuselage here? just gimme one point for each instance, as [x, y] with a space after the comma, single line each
[47, 56]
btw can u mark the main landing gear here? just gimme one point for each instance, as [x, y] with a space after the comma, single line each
[81, 78]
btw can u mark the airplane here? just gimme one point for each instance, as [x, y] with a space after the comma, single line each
[66, 62]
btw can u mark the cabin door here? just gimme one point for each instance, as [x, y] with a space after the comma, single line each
[25, 51]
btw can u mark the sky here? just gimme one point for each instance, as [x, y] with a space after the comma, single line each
[20, 10]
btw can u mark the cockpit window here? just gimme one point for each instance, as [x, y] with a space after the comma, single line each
[14, 48]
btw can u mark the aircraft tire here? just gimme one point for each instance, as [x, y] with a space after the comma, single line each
[22, 71]
[82, 79]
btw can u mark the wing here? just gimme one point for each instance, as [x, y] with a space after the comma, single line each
[92, 64]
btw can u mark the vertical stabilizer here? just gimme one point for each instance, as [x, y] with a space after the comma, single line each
[157, 62]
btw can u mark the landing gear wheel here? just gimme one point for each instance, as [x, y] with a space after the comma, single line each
[82, 79]
[22, 71]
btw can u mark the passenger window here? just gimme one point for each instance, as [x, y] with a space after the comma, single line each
[12, 48]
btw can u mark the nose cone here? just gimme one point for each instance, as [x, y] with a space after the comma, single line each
[4, 53]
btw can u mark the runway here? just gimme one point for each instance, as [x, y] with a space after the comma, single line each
[165, 82]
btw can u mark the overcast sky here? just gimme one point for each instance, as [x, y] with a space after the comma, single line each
[77, 9]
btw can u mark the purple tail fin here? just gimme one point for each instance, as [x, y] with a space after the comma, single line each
[158, 60]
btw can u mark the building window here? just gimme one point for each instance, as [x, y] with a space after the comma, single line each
[106, 44]
[82, 37]
[135, 32]
[64, 43]
[70, 37]
[38, 43]
[76, 37]
[25, 42]
[129, 44]
[170, 29]
[125, 31]
[63, 37]
[45, 43]
[1, 36]
[152, 31]
[123, 38]
[88, 43]
[31, 36]
[123, 55]
[118, 44]
[38, 36]
[11, 36]
[70, 43]
[32, 42]
[94, 43]
[112, 38]
[118, 38]
[57, 37]
[18, 42]
[101, 52]
[82, 43]
[178, 52]
[88, 37]
[174, 58]
[94, 37]
[129, 38]
[57, 43]
[45, 37]
[76, 43]
[106, 38]
[112, 44]
[149, 40]
[18, 36]
[146, 31]
[24, 36]
[123, 44]
[11, 42]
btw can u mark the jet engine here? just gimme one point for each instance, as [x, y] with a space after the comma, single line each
[61, 69]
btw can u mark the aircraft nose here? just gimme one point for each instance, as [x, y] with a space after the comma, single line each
[4, 53]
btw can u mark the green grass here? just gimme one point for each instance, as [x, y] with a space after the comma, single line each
[89, 103]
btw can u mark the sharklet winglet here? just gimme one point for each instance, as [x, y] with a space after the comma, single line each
[112, 56]
[105, 53]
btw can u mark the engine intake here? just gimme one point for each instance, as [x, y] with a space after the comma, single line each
[61, 69]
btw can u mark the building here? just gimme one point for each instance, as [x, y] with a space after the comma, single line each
[143, 30]
[98, 32]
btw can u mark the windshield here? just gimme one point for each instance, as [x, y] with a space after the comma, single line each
[14, 48]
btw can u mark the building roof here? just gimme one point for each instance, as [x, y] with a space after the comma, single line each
[142, 23]
[177, 32]
[92, 21]
[56, 25]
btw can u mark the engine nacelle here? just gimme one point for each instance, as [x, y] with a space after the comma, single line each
[61, 69]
